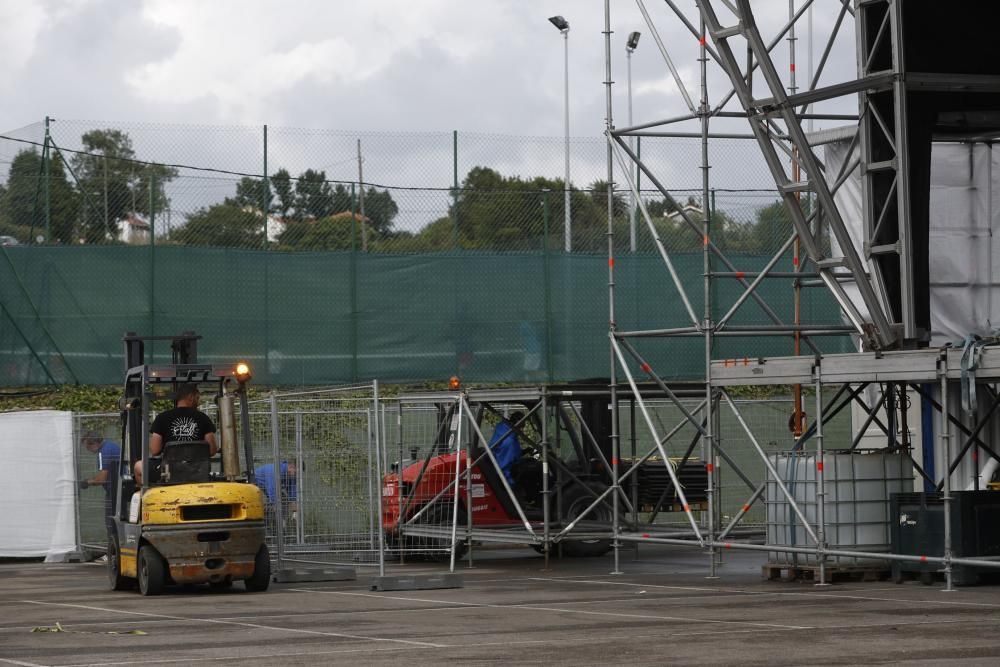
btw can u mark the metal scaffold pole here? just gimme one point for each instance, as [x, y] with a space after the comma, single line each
[615, 435]
[707, 326]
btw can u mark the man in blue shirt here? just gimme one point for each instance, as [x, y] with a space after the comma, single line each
[109, 456]
[505, 445]
[268, 483]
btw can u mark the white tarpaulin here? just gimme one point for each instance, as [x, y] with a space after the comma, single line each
[37, 484]
[964, 204]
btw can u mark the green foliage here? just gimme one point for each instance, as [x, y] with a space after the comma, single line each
[314, 196]
[336, 232]
[114, 185]
[73, 398]
[222, 225]
[24, 198]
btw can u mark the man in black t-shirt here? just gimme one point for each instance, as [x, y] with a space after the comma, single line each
[182, 423]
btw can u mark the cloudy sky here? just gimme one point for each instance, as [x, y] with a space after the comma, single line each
[491, 67]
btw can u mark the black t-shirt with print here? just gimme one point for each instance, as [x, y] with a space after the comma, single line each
[182, 425]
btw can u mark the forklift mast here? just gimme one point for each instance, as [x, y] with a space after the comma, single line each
[184, 350]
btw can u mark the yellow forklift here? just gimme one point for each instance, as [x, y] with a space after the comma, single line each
[192, 525]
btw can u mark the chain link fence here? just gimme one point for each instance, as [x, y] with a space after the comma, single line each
[432, 254]
[72, 182]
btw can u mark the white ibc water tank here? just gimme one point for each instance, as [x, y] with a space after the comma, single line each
[857, 486]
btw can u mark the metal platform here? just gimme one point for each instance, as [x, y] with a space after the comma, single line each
[896, 366]
[584, 530]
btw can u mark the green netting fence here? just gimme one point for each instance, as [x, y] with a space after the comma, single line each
[330, 256]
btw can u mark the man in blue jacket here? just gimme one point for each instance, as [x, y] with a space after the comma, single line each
[279, 488]
[505, 445]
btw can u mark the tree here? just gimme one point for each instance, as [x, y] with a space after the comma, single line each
[599, 193]
[281, 185]
[113, 183]
[380, 209]
[23, 203]
[222, 225]
[335, 232]
[773, 227]
[313, 196]
[250, 193]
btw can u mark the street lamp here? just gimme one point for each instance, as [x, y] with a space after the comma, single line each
[563, 26]
[633, 41]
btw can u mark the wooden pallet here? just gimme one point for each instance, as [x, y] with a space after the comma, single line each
[834, 572]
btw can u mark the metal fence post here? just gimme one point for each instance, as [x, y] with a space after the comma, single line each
[354, 290]
[47, 182]
[300, 479]
[152, 261]
[264, 206]
[547, 284]
[279, 511]
[454, 191]
[378, 479]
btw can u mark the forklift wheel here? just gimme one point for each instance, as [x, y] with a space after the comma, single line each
[261, 577]
[575, 501]
[115, 579]
[152, 571]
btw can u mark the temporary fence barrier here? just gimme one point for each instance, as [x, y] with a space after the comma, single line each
[317, 458]
[339, 453]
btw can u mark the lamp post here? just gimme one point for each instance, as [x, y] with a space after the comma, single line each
[633, 41]
[563, 26]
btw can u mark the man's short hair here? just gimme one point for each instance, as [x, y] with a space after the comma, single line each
[515, 417]
[89, 436]
[184, 391]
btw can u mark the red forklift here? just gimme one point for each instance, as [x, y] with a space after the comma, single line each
[560, 493]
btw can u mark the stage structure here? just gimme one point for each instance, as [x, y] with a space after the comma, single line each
[916, 84]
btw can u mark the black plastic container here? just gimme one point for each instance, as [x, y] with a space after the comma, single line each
[917, 527]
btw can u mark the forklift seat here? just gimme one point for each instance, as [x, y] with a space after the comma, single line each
[185, 462]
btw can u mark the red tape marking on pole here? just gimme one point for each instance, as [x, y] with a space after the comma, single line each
[709, 467]
[701, 41]
[795, 261]
[819, 465]
[687, 508]
[614, 462]
[791, 67]
[727, 545]
[923, 559]
[611, 262]
[646, 368]
[645, 534]
[705, 240]
[741, 274]
[746, 508]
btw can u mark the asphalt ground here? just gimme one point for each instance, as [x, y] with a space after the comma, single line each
[662, 610]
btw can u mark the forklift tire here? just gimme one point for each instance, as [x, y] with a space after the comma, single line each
[115, 579]
[442, 515]
[261, 577]
[152, 571]
[575, 501]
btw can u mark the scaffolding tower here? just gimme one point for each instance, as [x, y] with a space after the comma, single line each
[876, 272]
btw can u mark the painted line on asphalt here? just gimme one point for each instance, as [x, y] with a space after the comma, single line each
[260, 656]
[831, 594]
[535, 607]
[11, 661]
[238, 623]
